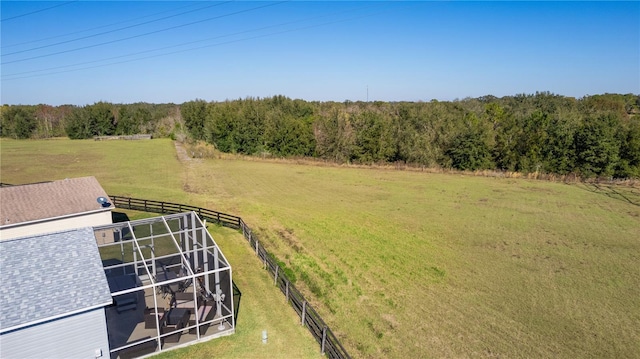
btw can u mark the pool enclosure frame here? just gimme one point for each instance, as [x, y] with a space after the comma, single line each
[171, 284]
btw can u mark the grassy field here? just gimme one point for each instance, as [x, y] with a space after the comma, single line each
[408, 264]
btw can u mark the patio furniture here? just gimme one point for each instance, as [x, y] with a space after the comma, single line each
[171, 287]
[177, 318]
[145, 347]
[184, 300]
[125, 301]
[150, 315]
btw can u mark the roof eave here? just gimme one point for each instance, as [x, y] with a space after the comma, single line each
[55, 317]
[79, 214]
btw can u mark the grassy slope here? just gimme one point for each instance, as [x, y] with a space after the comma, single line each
[407, 264]
[127, 168]
[410, 264]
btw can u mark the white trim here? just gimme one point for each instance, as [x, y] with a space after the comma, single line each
[50, 219]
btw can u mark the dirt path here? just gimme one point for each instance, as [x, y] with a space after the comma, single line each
[188, 162]
[182, 154]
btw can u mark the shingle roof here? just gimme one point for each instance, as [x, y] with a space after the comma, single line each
[38, 201]
[50, 275]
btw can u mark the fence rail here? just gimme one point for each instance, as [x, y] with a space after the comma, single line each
[329, 343]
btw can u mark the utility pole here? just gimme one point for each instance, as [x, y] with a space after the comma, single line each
[367, 93]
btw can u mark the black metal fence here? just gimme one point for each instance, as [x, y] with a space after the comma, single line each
[329, 344]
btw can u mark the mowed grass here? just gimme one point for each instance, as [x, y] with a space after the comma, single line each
[411, 264]
[128, 168]
[262, 307]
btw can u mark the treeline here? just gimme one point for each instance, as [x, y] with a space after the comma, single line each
[594, 136]
[99, 119]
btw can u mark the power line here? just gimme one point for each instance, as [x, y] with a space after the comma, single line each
[37, 11]
[115, 30]
[190, 49]
[188, 43]
[183, 44]
[91, 29]
[141, 35]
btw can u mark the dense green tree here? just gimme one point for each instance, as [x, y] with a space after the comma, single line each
[605, 104]
[526, 132]
[629, 165]
[132, 120]
[220, 126]
[423, 131]
[470, 149]
[533, 136]
[78, 124]
[373, 140]
[334, 136]
[18, 122]
[249, 138]
[558, 150]
[506, 134]
[127, 123]
[102, 121]
[194, 115]
[288, 136]
[596, 146]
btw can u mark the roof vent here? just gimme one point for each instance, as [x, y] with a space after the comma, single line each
[104, 202]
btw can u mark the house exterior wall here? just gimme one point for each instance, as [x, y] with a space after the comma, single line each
[78, 336]
[56, 225]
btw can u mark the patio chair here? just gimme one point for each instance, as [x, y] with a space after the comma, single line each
[150, 317]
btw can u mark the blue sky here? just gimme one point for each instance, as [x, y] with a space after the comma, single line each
[81, 52]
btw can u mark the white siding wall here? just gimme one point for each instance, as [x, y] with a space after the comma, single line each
[56, 225]
[78, 336]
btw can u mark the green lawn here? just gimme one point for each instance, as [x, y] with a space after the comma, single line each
[128, 168]
[409, 264]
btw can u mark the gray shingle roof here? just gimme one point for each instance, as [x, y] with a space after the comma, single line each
[50, 275]
[37, 201]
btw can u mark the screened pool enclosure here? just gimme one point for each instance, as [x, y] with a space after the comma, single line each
[170, 283]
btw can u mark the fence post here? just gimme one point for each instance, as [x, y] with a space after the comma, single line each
[304, 312]
[275, 277]
[257, 247]
[324, 338]
[287, 292]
